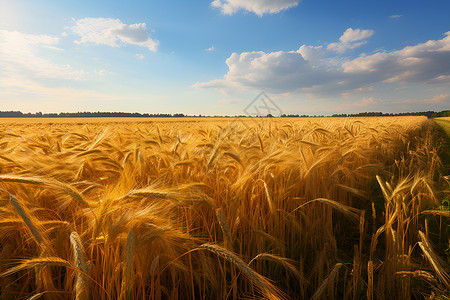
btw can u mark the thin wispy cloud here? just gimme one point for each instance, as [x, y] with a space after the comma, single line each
[24, 71]
[19, 55]
[101, 72]
[19, 85]
[210, 49]
[438, 99]
[395, 16]
[367, 102]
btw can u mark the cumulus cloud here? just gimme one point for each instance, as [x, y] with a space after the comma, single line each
[313, 54]
[107, 31]
[280, 71]
[259, 7]
[427, 62]
[351, 39]
[318, 71]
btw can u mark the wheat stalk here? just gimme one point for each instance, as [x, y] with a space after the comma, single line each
[49, 182]
[224, 226]
[370, 280]
[327, 281]
[40, 262]
[435, 261]
[26, 219]
[269, 291]
[127, 276]
[82, 266]
[287, 263]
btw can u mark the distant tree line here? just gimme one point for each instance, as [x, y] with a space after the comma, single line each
[19, 114]
[429, 114]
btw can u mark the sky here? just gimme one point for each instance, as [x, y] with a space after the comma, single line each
[314, 57]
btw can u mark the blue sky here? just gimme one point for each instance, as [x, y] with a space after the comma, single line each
[214, 57]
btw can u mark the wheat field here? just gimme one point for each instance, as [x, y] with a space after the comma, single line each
[269, 208]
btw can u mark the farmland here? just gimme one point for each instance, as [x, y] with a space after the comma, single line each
[444, 123]
[189, 208]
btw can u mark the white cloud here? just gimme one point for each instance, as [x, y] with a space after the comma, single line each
[18, 54]
[25, 73]
[20, 86]
[210, 49]
[101, 72]
[281, 71]
[140, 56]
[109, 32]
[395, 16]
[312, 54]
[351, 39]
[53, 48]
[318, 71]
[259, 7]
[230, 101]
[438, 99]
[64, 34]
[353, 35]
[426, 62]
[367, 101]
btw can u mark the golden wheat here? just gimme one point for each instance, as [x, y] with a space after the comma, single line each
[174, 208]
